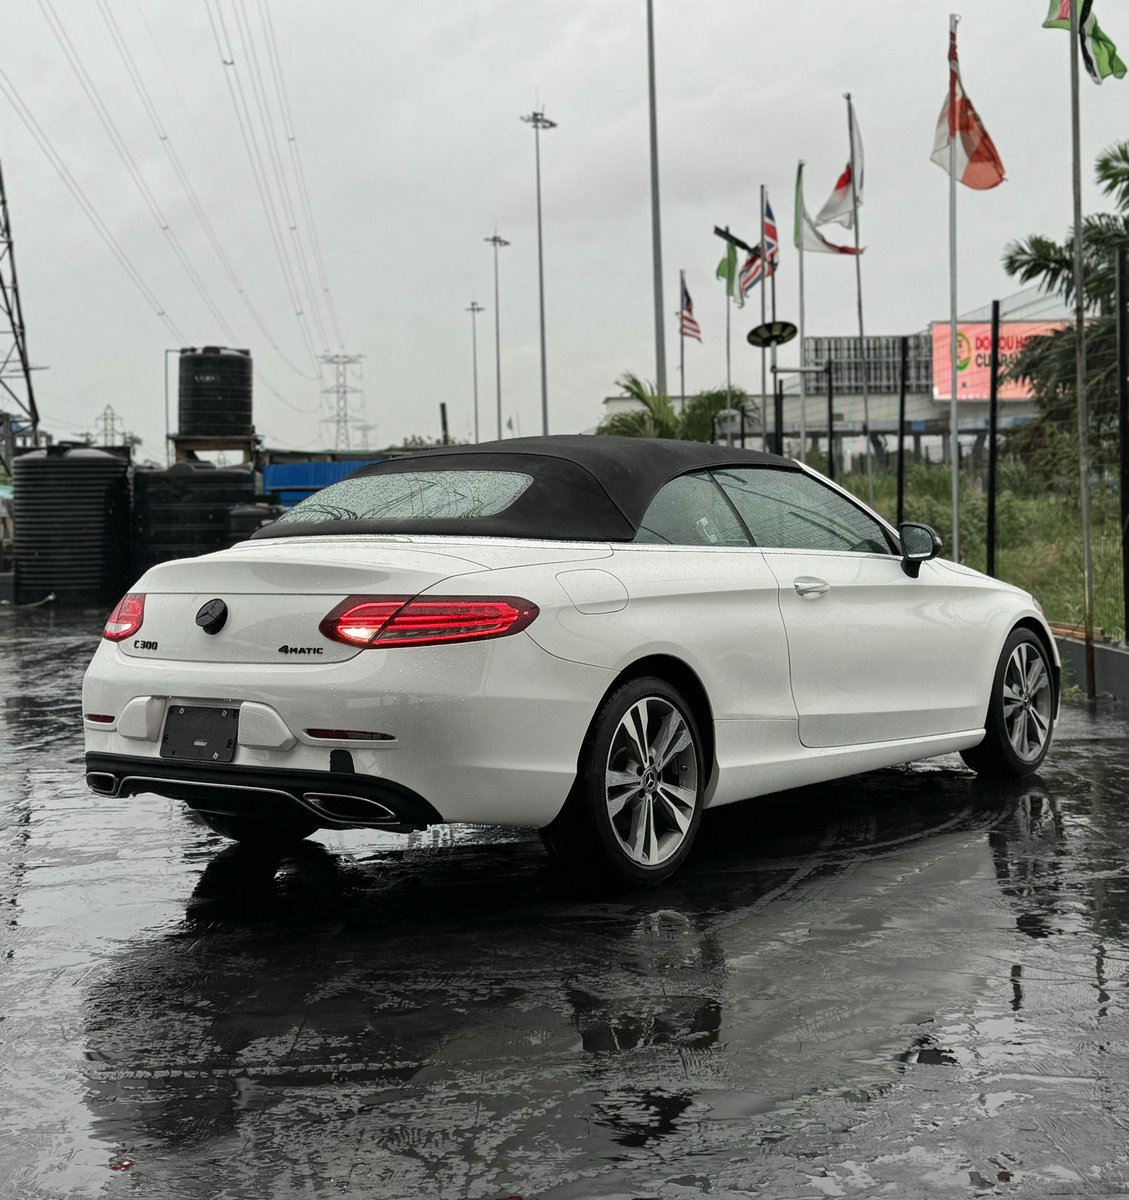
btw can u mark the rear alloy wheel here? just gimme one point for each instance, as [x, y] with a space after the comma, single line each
[1021, 711]
[636, 805]
[257, 832]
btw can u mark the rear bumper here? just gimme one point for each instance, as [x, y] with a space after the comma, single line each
[488, 732]
[335, 799]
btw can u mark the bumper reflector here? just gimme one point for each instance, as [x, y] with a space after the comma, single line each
[350, 735]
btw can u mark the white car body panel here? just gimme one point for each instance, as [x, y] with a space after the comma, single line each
[714, 608]
[878, 656]
[799, 690]
[491, 737]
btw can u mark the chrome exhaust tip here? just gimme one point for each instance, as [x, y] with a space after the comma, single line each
[101, 782]
[347, 809]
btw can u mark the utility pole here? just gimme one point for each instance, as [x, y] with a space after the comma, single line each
[15, 369]
[474, 309]
[497, 242]
[341, 390]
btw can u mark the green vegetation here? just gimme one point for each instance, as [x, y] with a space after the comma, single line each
[659, 418]
[1038, 534]
[1050, 442]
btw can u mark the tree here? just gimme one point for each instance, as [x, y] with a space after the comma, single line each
[1048, 362]
[658, 417]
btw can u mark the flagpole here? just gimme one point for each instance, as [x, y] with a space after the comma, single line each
[803, 384]
[682, 339]
[954, 440]
[778, 434]
[728, 376]
[1080, 355]
[764, 317]
[858, 286]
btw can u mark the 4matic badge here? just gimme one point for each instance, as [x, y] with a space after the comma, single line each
[301, 650]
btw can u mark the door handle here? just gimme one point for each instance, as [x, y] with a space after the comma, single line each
[810, 588]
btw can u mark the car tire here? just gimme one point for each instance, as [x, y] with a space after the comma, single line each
[258, 833]
[1021, 711]
[634, 810]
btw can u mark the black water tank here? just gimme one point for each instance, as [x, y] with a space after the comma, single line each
[244, 519]
[215, 392]
[71, 514]
[183, 511]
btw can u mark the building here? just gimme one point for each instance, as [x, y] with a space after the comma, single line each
[927, 389]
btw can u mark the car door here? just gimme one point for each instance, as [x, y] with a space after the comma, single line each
[700, 591]
[874, 655]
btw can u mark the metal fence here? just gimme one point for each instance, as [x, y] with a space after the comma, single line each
[1020, 515]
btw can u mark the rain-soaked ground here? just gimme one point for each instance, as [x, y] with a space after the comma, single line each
[908, 984]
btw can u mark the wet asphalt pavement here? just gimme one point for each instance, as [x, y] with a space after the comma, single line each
[908, 984]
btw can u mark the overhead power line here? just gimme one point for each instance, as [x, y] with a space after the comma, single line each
[299, 169]
[234, 82]
[278, 170]
[163, 136]
[123, 152]
[84, 202]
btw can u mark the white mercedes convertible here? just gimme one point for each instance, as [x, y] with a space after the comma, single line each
[595, 637]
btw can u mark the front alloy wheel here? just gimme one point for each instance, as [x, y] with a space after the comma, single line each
[634, 810]
[1021, 711]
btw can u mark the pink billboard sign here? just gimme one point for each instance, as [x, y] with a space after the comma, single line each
[974, 357]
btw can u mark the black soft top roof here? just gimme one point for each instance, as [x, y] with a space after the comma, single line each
[585, 488]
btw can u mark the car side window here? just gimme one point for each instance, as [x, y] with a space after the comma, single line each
[691, 511]
[788, 509]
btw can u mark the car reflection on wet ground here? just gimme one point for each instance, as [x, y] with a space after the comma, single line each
[911, 983]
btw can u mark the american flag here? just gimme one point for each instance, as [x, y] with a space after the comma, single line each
[689, 323]
[753, 270]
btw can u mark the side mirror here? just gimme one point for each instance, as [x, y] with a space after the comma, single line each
[920, 543]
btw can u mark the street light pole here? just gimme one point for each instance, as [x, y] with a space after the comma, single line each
[656, 224]
[539, 121]
[474, 309]
[497, 242]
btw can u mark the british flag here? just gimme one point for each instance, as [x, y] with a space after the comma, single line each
[753, 270]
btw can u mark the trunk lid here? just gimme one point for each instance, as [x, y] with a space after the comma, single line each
[278, 592]
[276, 595]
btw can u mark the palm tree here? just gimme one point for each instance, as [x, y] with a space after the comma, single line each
[658, 419]
[1048, 362]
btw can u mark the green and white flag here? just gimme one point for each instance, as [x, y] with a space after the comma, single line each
[727, 270]
[1098, 51]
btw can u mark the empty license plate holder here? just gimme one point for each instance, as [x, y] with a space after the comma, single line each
[195, 733]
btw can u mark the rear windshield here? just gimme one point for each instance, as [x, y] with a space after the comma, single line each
[412, 495]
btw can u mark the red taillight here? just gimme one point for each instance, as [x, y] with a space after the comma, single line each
[126, 618]
[380, 622]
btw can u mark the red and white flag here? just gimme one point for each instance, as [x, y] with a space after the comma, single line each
[978, 162]
[807, 237]
[839, 208]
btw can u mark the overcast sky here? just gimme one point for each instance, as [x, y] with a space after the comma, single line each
[405, 117]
